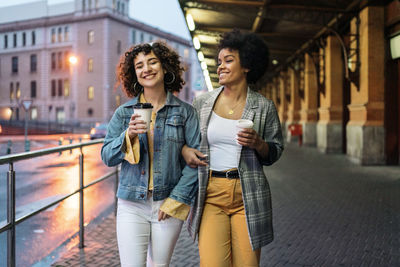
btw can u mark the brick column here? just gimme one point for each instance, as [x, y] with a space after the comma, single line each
[308, 112]
[283, 102]
[294, 103]
[329, 126]
[275, 92]
[293, 111]
[365, 130]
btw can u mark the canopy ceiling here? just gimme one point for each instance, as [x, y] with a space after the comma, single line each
[288, 26]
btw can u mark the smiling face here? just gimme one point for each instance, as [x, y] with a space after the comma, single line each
[149, 71]
[229, 70]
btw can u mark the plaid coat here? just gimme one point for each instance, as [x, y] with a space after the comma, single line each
[255, 187]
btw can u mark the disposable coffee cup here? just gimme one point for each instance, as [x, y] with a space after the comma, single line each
[144, 110]
[243, 124]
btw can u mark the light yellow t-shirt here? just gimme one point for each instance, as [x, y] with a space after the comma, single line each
[132, 155]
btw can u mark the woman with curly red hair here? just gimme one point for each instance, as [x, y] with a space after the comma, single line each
[156, 188]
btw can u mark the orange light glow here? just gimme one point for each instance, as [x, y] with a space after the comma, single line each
[73, 60]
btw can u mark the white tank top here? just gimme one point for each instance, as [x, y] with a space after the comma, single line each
[224, 151]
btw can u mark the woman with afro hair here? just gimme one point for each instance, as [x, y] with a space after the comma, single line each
[233, 215]
[156, 188]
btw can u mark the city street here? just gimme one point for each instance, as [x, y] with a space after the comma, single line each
[42, 180]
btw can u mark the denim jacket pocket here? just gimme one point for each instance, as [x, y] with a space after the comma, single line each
[126, 119]
[174, 128]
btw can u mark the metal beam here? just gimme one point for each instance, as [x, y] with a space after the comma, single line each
[205, 29]
[307, 8]
[260, 17]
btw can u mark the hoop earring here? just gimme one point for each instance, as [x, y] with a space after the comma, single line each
[135, 85]
[172, 80]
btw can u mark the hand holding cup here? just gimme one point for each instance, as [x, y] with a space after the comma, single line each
[136, 126]
[140, 119]
[246, 135]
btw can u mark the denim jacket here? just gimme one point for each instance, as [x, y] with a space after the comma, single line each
[176, 124]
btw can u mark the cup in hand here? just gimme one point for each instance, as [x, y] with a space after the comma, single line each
[244, 124]
[144, 110]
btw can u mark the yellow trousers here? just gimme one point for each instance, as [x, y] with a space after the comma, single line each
[223, 235]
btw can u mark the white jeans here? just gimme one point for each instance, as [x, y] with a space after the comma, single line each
[140, 235]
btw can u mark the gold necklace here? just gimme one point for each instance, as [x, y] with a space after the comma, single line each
[232, 110]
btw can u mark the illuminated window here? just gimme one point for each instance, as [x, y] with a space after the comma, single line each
[18, 92]
[90, 37]
[34, 113]
[66, 87]
[59, 34]
[66, 59]
[53, 35]
[66, 33]
[90, 92]
[90, 65]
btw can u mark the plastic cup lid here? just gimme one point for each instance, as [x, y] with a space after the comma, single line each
[143, 105]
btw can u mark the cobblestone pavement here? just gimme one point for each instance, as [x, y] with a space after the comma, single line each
[327, 212]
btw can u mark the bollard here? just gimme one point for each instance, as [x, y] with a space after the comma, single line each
[60, 141]
[9, 145]
[27, 145]
[70, 142]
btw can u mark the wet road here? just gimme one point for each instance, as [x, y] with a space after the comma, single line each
[42, 180]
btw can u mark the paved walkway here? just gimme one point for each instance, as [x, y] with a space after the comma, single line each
[327, 212]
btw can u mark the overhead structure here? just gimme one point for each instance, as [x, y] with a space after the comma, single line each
[289, 27]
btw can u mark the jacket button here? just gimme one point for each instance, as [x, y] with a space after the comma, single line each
[143, 172]
[142, 195]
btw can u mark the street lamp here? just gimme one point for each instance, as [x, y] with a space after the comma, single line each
[73, 60]
[26, 104]
[395, 45]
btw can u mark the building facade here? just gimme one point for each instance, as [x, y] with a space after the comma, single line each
[64, 59]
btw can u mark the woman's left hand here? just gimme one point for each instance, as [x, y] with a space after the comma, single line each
[162, 215]
[249, 137]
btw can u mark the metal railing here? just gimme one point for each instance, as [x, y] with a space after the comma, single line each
[11, 206]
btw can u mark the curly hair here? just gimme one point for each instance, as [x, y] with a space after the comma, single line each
[126, 74]
[253, 52]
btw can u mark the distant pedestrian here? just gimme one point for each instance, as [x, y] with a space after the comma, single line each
[233, 215]
[156, 188]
